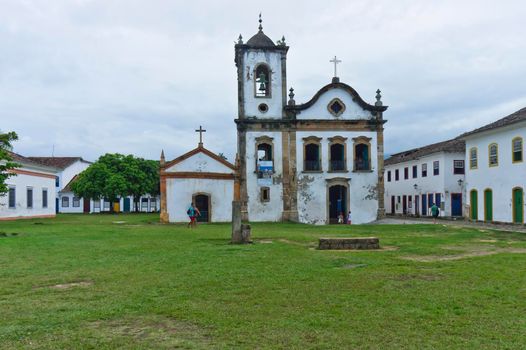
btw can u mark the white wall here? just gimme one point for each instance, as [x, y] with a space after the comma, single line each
[70, 208]
[319, 109]
[69, 172]
[313, 188]
[179, 194]
[502, 178]
[273, 209]
[21, 182]
[275, 103]
[445, 183]
[200, 162]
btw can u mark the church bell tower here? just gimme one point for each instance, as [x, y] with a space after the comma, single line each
[262, 76]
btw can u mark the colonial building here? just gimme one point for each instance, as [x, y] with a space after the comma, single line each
[201, 177]
[70, 167]
[496, 172]
[31, 191]
[417, 178]
[305, 162]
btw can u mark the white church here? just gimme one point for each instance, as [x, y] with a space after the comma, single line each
[308, 162]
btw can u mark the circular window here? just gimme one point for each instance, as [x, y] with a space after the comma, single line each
[263, 108]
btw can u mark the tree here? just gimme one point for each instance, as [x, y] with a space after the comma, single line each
[114, 176]
[6, 161]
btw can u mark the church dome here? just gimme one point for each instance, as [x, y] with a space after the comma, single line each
[261, 40]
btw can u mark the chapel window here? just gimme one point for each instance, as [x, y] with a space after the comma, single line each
[337, 158]
[493, 155]
[265, 194]
[312, 157]
[262, 81]
[473, 159]
[264, 157]
[516, 145]
[362, 153]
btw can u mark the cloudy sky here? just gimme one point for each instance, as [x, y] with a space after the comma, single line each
[90, 77]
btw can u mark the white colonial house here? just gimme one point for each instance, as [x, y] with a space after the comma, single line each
[496, 172]
[31, 191]
[417, 178]
[70, 167]
[201, 177]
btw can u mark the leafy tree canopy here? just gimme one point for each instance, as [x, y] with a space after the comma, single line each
[6, 161]
[114, 176]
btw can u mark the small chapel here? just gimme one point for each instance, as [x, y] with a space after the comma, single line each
[308, 162]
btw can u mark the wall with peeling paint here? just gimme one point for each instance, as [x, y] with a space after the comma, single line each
[273, 209]
[313, 188]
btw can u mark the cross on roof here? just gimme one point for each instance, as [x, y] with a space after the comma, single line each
[200, 131]
[335, 61]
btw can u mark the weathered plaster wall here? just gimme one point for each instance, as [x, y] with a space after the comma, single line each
[502, 178]
[179, 194]
[275, 103]
[319, 109]
[273, 209]
[313, 189]
[200, 162]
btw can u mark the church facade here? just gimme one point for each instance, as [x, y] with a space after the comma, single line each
[308, 162]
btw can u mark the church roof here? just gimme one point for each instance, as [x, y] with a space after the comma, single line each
[337, 85]
[450, 146]
[260, 40]
[57, 162]
[196, 151]
[516, 117]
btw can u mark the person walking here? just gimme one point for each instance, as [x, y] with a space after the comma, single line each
[192, 213]
[434, 212]
[349, 222]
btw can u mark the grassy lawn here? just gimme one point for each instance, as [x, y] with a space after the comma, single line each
[123, 281]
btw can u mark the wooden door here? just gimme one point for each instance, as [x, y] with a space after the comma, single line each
[474, 205]
[488, 205]
[518, 205]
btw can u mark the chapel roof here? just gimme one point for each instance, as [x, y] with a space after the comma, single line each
[515, 117]
[450, 146]
[199, 149]
[57, 162]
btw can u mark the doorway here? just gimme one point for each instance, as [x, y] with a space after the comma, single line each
[393, 205]
[488, 205]
[404, 205]
[86, 203]
[337, 202]
[474, 205]
[126, 205]
[202, 202]
[518, 205]
[456, 204]
[417, 205]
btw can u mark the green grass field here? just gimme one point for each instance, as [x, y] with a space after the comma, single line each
[124, 281]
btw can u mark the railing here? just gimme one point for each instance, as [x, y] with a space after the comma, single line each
[362, 165]
[312, 165]
[336, 165]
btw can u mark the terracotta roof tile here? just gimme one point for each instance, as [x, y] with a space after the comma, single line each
[57, 162]
[516, 117]
[449, 146]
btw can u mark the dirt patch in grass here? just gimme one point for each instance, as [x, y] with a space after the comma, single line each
[156, 332]
[72, 285]
[467, 252]
[381, 249]
[422, 277]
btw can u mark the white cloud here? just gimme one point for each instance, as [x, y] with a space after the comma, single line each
[136, 77]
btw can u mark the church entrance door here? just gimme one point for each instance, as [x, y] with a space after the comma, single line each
[337, 203]
[202, 202]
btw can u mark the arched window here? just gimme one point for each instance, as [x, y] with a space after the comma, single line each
[493, 155]
[262, 80]
[265, 157]
[311, 154]
[516, 149]
[362, 153]
[337, 154]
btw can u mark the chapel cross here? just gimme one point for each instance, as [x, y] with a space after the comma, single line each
[200, 131]
[335, 61]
